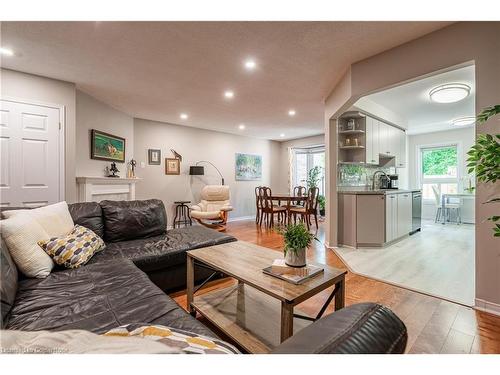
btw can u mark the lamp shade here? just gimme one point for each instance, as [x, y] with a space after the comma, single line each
[196, 170]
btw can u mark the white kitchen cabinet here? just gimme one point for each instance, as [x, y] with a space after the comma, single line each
[372, 141]
[401, 151]
[391, 217]
[404, 214]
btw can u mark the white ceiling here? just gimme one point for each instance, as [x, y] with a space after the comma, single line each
[156, 70]
[419, 114]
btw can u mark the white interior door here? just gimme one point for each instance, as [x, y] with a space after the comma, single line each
[30, 154]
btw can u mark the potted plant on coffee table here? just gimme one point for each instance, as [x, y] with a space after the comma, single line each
[297, 239]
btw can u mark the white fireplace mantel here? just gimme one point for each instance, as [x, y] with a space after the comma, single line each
[96, 189]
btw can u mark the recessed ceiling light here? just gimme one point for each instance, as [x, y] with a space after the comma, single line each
[6, 51]
[184, 116]
[449, 93]
[241, 126]
[250, 64]
[228, 94]
[282, 135]
[464, 121]
[291, 112]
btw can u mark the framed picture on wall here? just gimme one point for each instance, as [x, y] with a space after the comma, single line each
[104, 146]
[154, 157]
[248, 167]
[172, 166]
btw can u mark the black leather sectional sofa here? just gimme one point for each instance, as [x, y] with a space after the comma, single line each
[117, 286]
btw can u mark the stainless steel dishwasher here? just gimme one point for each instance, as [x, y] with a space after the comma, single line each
[416, 209]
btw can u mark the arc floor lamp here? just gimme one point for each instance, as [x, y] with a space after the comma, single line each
[199, 170]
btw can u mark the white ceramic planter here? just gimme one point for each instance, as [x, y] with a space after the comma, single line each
[296, 258]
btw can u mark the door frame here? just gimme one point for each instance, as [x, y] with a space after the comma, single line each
[61, 134]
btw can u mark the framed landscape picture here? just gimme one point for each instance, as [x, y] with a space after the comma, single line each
[104, 146]
[154, 157]
[248, 167]
[172, 166]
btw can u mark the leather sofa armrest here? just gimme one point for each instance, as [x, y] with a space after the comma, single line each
[364, 328]
[226, 207]
[195, 208]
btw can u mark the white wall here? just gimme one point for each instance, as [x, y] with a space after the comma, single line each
[93, 114]
[464, 138]
[29, 87]
[282, 171]
[195, 145]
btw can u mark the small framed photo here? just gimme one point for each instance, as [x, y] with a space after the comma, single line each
[154, 157]
[172, 166]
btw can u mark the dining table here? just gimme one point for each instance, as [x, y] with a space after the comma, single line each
[289, 199]
[446, 197]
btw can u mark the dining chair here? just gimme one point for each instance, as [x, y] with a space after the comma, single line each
[299, 191]
[258, 203]
[310, 208]
[269, 209]
[448, 208]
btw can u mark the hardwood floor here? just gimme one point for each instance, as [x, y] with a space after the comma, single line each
[434, 325]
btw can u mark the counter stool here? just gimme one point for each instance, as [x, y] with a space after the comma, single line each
[182, 216]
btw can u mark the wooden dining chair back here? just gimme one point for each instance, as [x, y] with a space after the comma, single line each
[299, 191]
[258, 204]
[312, 205]
[269, 209]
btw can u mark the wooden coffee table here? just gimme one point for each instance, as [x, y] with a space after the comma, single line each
[258, 312]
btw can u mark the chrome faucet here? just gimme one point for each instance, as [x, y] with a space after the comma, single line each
[374, 180]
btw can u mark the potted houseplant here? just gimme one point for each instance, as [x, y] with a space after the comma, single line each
[297, 239]
[484, 160]
[321, 203]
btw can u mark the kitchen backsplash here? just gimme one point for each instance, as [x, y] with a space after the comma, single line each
[358, 175]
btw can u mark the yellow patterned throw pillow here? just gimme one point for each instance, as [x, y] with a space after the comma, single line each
[75, 249]
[184, 341]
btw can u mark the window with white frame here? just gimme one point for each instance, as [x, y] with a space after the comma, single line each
[306, 159]
[439, 169]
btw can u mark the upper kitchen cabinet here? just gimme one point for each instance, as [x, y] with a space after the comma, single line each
[364, 139]
[352, 138]
[372, 141]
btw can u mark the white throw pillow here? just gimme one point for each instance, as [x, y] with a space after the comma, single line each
[55, 219]
[21, 234]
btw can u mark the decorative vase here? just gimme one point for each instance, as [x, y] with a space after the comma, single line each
[296, 258]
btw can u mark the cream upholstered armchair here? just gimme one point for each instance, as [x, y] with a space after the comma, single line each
[213, 209]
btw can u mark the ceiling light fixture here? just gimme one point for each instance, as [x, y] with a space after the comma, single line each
[250, 64]
[241, 127]
[449, 93]
[228, 94]
[464, 121]
[291, 112]
[282, 135]
[184, 116]
[6, 51]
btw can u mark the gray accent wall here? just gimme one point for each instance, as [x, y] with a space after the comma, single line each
[194, 145]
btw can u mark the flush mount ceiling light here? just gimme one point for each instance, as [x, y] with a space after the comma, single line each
[282, 135]
[184, 116]
[250, 64]
[241, 126]
[6, 51]
[228, 94]
[449, 93]
[291, 112]
[464, 121]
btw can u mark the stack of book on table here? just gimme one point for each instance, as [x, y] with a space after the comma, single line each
[295, 275]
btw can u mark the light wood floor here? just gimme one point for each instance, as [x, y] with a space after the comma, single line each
[434, 325]
[438, 261]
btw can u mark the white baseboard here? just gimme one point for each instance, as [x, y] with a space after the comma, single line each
[241, 218]
[489, 307]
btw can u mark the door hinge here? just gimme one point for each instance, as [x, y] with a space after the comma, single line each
[59, 126]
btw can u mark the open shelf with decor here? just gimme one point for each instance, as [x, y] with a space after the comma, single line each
[352, 137]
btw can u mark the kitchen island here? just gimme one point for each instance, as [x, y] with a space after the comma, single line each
[374, 218]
